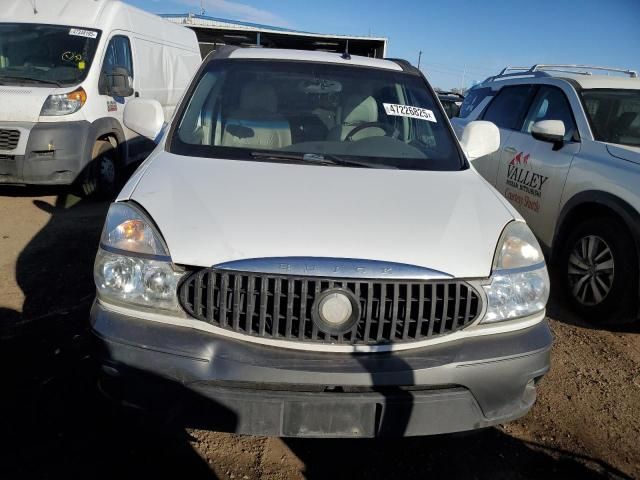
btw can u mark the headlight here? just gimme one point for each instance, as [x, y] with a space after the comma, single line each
[133, 266]
[64, 103]
[519, 280]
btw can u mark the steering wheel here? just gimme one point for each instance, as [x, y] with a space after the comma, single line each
[389, 130]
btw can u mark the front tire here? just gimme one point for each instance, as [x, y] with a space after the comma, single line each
[101, 175]
[599, 270]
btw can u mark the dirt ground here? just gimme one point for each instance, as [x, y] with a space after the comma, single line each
[54, 423]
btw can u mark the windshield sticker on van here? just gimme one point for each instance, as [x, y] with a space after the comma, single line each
[71, 57]
[409, 111]
[78, 32]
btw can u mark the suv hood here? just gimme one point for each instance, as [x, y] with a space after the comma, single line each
[22, 103]
[212, 211]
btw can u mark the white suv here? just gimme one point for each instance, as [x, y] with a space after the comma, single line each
[309, 248]
[569, 162]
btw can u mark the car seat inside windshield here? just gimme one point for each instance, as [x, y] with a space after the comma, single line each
[241, 106]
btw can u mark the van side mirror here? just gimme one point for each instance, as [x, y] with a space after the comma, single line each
[551, 131]
[144, 116]
[117, 82]
[480, 138]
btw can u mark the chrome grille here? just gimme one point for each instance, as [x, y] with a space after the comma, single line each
[279, 306]
[9, 139]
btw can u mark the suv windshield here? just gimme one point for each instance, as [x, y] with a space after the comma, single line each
[47, 54]
[315, 112]
[614, 115]
[473, 99]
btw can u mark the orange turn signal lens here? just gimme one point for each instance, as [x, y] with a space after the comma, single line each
[78, 95]
[132, 230]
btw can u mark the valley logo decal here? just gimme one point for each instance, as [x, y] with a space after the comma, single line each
[520, 176]
[524, 183]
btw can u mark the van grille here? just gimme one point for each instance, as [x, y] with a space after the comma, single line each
[279, 306]
[9, 139]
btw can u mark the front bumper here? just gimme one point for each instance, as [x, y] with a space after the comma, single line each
[455, 386]
[47, 154]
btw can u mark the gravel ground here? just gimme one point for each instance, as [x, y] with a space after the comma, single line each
[585, 424]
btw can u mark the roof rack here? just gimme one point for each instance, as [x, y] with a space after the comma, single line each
[544, 69]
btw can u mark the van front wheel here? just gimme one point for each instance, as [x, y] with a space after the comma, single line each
[100, 177]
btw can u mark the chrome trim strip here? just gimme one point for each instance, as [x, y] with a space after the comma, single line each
[127, 253]
[473, 330]
[530, 268]
[334, 268]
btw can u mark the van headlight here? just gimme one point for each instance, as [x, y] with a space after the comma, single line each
[519, 279]
[133, 266]
[64, 103]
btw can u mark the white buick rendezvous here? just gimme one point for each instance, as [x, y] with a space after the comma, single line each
[309, 250]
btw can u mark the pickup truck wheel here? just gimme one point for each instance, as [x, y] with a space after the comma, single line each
[100, 177]
[600, 270]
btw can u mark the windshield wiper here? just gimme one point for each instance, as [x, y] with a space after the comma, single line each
[30, 79]
[316, 158]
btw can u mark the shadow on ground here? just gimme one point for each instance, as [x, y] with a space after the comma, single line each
[487, 454]
[55, 424]
[558, 309]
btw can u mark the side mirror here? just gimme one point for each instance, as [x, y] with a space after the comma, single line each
[118, 82]
[144, 116]
[480, 138]
[551, 131]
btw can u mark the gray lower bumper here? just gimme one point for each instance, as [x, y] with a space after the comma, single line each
[457, 386]
[55, 154]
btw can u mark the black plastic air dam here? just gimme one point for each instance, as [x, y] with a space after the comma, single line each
[460, 385]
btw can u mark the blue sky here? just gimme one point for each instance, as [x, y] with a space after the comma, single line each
[464, 40]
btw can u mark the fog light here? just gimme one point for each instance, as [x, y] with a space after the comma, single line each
[157, 282]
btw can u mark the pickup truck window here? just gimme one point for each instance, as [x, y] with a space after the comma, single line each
[614, 115]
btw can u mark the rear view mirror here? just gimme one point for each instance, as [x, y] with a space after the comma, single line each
[144, 116]
[480, 138]
[551, 131]
[117, 83]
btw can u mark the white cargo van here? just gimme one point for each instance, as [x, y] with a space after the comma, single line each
[67, 70]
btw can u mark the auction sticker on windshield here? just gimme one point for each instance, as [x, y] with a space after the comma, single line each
[409, 111]
[78, 32]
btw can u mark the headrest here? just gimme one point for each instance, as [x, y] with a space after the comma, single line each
[258, 96]
[360, 110]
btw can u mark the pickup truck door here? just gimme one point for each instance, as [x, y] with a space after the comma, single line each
[532, 173]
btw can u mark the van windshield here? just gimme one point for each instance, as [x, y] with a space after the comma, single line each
[45, 54]
[315, 112]
[614, 115]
